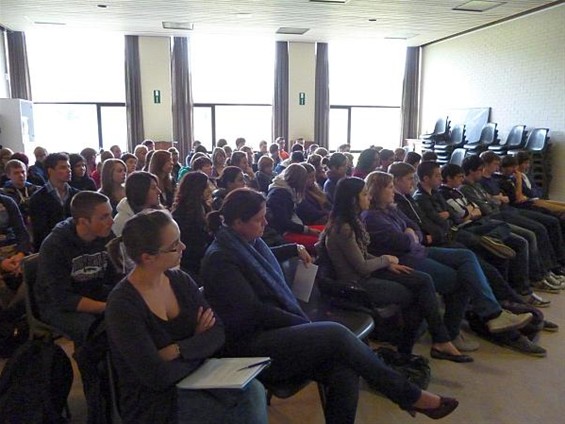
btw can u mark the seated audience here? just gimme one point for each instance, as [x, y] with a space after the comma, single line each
[368, 161]
[285, 194]
[116, 151]
[130, 161]
[161, 165]
[112, 183]
[274, 154]
[315, 207]
[161, 329]
[150, 144]
[204, 165]
[218, 161]
[386, 281]
[37, 174]
[176, 164]
[51, 203]
[337, 168]
[241, 160]
[142, 192]
[263, 151]
[193, 202]
[454, 271]
[399, 154]
[140, 152]
[19, 189]
[231, 179]
[386, 159]
[264, 174]
[319, 163]
[79, 179]
[245, 286]
[5, 155]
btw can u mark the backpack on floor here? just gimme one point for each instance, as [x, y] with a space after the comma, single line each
[35, 384]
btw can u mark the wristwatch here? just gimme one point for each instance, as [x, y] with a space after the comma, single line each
[300, 248]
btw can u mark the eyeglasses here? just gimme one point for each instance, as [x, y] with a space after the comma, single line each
[173, 248]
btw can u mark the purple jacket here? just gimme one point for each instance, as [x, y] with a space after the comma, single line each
[386, 228]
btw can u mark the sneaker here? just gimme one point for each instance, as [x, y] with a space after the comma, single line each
[497, 248]
[554, 281]
[550, 327]
[558, 278]
[523, 345]
[536, 300]
[507, 321]
[544, 286]
[464, 344]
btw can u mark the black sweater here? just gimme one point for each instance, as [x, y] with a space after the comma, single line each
[146, 382]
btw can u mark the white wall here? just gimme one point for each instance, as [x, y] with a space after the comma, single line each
[517, 68]
[302, 76]
[155, 67]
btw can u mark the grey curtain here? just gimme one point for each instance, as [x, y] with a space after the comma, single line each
[280, 98]
[182, 96]
[20, 84]
[410, 108]
[322, 109]
[134, 100]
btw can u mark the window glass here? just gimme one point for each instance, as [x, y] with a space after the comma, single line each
[375, 126]
[65, 127]
[68, 66]
[338, 127]
[232, 69]
[366, 73]
[114, 127]
[250, 122]
[202, 118]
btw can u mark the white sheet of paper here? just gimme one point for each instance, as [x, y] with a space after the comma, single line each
[304, 281]
[224, 373]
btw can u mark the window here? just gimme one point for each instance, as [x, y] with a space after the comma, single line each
[78, 85]
[366, 93]
[232, 88]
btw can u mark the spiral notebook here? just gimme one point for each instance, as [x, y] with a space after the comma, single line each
[224, 373]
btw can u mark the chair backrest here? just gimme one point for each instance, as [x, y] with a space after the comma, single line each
[488, 134]
[457, 156]
[516, 137]
[441, 126]
[537, 140]
[457, 134]
[30, 265]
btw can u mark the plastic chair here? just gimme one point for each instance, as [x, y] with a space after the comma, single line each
[538, 141]
[457, 156]
[515, 141]
[37, 328]
[489, 135]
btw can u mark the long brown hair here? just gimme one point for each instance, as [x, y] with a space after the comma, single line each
[376, 182]
[107, 178]
[158, 161]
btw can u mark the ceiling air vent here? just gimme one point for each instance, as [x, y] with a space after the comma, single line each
[330, 1]
[292, 31]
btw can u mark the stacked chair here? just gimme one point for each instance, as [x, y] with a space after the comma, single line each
[516, 140]
[457, 156]
[539, 147]
[440, 135]
[489, 137]
[443, 150]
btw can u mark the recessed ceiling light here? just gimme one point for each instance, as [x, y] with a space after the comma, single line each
[330, 1]
[49, 23]
[291, 30]
[372, 19]
[478, 6]
[178, 25]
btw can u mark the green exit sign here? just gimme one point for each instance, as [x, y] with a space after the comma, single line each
[156, 96]
[301, 98]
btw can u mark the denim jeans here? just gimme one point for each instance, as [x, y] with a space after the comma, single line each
[248, 406]
[328, 353]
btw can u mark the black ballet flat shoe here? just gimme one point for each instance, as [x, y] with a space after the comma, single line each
[438, 354]
[446, 407]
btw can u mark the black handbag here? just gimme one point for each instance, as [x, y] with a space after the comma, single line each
[414, 367]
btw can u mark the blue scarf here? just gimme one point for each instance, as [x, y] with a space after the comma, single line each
[259, 257]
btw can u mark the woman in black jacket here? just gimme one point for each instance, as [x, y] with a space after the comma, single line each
[245, 285]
